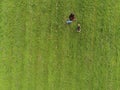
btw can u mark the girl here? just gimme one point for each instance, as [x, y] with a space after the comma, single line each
[78, 28]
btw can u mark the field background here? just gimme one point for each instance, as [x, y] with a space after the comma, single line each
[38, 51]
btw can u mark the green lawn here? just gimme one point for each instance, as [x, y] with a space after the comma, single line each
[39, 51]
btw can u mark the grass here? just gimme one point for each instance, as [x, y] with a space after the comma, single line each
[38, 51]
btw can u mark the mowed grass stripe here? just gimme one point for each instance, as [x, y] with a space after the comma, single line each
[111, 16]
[29, 60]
[66, 69]
[7, 46]
[40, 34]
[12, 47]
[56, 61]
[74, 37]
[5, 77]
[41, 64]
[51, 35]
[81, 67]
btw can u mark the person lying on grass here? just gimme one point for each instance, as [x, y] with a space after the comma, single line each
[71, 18]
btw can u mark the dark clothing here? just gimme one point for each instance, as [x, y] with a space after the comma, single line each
[71, 17]
[78, 28]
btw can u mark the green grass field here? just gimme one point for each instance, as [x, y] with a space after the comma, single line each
[39, 51]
